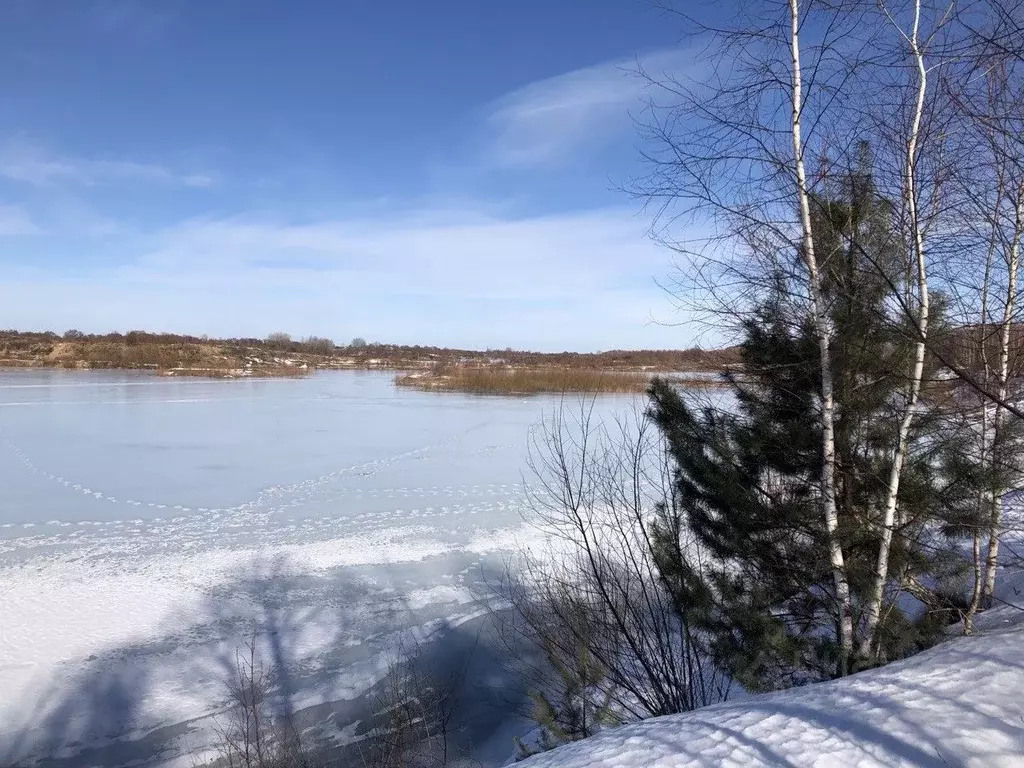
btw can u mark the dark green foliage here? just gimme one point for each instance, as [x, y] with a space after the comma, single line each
[748, 479]
[576, 712]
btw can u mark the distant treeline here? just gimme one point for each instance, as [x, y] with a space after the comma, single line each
[359, 350]
[957, 346]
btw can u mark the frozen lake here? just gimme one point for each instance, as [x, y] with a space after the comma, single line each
[149, 525]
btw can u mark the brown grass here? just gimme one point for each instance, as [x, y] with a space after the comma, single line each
[522, 381]
[494, 380]
[171, 356]
[611, 371]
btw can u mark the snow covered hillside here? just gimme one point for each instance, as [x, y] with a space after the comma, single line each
[958, 704]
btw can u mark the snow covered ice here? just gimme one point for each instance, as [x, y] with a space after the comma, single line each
[150, 525]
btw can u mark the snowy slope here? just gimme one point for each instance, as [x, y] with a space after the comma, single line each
[959, 704]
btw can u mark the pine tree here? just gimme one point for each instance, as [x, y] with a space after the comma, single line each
[748, 479]
[580, 707]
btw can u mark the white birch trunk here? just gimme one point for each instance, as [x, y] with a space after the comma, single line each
[983, 441]
[824, 333]
[873, 608]
[972, 608]
[1003, 375]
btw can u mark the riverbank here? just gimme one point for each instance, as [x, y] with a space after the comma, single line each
[166, 357]
[425, 367]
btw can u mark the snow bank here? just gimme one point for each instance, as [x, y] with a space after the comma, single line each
[958, 704]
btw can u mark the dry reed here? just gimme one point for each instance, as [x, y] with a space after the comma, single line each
[528, 381]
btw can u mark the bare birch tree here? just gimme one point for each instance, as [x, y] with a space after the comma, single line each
[748, 168]
[824, 334]
[1003, 126]
[990, 96]
[720, 165]
[918, 43]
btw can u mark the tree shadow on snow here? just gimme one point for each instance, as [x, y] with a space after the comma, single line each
[328, 637]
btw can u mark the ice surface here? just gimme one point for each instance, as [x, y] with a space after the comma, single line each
[146, 447]
[150, 525]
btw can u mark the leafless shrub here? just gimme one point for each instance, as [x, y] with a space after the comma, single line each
[279, 339]
[252, 735]
[318, 345]
[420, 708]
[614, 643]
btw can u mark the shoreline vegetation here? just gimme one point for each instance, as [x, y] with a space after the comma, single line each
[511, 380]
[505, 371]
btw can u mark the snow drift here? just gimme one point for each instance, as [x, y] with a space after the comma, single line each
[958, 704]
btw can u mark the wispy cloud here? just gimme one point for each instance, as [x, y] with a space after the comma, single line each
[30, 164]
[16, 221]
[577, 281]
[463, 275]
[547, 121]
[458, 255]
[129, 19]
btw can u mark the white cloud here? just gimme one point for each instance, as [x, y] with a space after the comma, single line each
[577, 281]
[545, 121]
[15, 221]
[426, 254]
[30, 164]
[462, 276]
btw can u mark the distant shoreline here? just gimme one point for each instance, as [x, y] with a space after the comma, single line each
[426, 368]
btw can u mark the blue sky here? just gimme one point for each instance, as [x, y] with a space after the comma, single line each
[416, 172]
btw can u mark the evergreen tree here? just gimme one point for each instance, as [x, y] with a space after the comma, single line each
[748, 478]
[579, 709]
